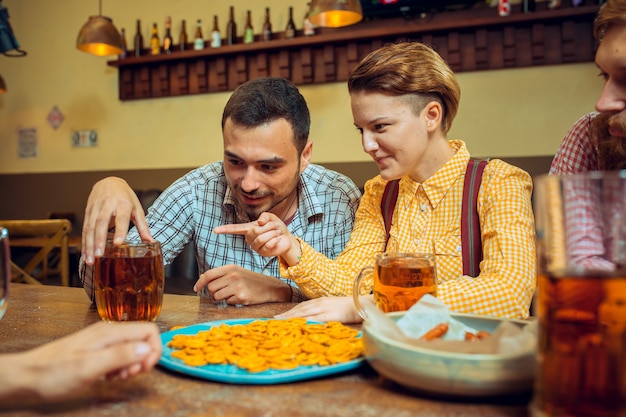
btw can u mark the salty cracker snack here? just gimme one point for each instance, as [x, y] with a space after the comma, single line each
[269, 344]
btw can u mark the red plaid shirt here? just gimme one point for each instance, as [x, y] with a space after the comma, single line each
[578, 151]
[587, 242]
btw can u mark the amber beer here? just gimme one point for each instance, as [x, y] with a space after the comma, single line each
[581, 297]
[401, 282]
[129, 281]
[582, 346]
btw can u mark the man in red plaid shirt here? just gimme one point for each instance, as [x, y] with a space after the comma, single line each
[597, 141]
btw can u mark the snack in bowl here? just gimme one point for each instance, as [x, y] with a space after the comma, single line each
[436, 332]
[427, 368]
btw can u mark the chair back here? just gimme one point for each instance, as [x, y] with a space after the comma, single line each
[49, 238]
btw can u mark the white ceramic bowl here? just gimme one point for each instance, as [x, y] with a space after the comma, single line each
[451, 374]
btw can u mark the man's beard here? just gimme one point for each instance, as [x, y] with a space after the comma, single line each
[247, 213]
[611, 149]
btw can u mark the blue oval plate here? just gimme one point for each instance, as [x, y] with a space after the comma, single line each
[235, 375]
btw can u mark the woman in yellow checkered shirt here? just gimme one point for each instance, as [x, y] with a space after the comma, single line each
[404, 98]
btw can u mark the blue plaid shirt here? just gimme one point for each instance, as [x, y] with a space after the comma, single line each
[193, 205]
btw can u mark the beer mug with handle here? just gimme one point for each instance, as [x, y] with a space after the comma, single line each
[5, 270]
[129, 281]
[399, 280]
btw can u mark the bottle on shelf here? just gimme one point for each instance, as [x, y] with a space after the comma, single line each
[267, 26]
[198, 39]
[155, 44]
[168, 44]
[231, 28]
[528, 6]
[504, 8]
[308, 26]
[182, 38]
[248, 30]
[554, 4]
[124, 45]
[138, 41]
[290, 30]
[216, 37]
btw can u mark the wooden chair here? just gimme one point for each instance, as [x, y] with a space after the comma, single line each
[50, 237]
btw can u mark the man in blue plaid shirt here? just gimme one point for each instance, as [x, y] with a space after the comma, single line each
[266, 168]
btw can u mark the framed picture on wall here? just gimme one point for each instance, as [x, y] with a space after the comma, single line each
[27, 143]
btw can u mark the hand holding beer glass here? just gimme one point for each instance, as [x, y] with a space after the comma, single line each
[129, 281]
[400, 280]
[581, 299]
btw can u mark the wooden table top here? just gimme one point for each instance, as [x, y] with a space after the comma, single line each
[38, 314]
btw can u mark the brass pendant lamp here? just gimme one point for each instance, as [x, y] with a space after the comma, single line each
[99, 36]
[335, 13]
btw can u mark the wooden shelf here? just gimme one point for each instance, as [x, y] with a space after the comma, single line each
[469, 40]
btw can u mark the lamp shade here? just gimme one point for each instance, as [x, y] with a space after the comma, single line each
[3, 86]
[335, 13]
[99, 37]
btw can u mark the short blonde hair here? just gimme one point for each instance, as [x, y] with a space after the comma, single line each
[409, 68]
[611, 12]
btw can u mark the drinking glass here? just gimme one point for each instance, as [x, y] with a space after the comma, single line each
[581, 300]
[5, 270]
[400, 280]
[129, 281]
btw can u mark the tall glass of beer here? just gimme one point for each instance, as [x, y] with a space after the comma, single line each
[581, 299]
[129, 281]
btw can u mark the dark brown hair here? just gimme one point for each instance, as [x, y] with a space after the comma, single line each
[265, 100]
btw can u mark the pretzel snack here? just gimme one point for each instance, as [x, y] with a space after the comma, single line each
[269, 344]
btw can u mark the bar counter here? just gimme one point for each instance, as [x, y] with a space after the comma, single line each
[41, 313]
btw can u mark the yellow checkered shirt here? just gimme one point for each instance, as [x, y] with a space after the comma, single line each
[427, 218]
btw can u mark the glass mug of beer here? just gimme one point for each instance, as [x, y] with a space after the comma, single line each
[581, 298]
[5, 270]
[129, 281]
[400, 280]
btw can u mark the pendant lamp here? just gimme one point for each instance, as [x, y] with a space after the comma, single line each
[99, 37]
[335, 13]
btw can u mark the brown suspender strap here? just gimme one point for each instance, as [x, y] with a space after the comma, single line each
[388, 204]
[471, 242]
